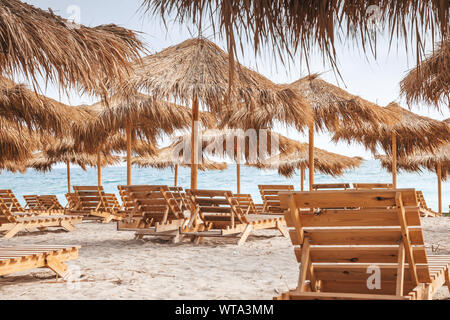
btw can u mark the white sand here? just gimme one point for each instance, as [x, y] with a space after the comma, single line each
[114, 266]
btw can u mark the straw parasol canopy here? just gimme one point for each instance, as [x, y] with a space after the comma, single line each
[43, 162]
[413, 133]
[430, 80]
[196, 72]
[37, 42]
[409, 133]
[19, 104]
[16, 142]
[324, 161]
[292, 26]
[172, 157]
[13, 166]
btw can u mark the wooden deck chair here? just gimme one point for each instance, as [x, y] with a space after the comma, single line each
[269, 196]
[424, 210]
[361, 186]
[17, 259]
[50, 202]
[221, 216]
[10, 200]
[335, 186]
[11, 224]
[127, 202]
[246, 203]
[155, 212]
[374, 252]
[181, 197]
[32, 202]
[72, 202]
[112, 202]
[93, 203]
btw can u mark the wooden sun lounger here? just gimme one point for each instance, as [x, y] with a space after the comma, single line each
[217, 214]
[269, 196]
[322, 186]
[341, 251]
[127, 202]
[17, 259]
[246, 203]
[50, 202]
[181, 197]
[424, 210]
[93, 203]
[32, 202]
[12, 224]
[14, 206]
[154, 212]
[370, 186]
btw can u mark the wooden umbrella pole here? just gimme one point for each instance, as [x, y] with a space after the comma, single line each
[394, 160]
[176, 176]
[128, 131]
[439, 177]
[99, 169]
[302, 178]
[311, 157]
[68, 175]
[194, 145]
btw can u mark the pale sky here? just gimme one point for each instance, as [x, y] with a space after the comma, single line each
[374, 80]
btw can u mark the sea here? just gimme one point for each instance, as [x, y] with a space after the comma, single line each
[55, 181]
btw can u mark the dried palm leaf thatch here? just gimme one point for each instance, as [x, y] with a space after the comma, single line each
[44, 163]
[298, 157]
[430, 80]
[171, 156]
[420, 160]
[37, 42]
[16, 142]
[333, 105]
[149, 118]
[19, 104]
[242, 146]
[292, 26]
[413, 133]
[198, 69]
[13, 166]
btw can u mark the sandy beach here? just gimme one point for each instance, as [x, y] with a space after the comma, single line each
[112, 265]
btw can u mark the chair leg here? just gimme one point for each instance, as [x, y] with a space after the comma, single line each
[245, 234]
[59, 267]
[67, 226]
[13, 231]
[283, 229]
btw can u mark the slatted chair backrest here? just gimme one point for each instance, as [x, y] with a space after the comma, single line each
[11, 201]
[50, 202]
[359, 186]
[154, 203]
[217, 207]
[72, 201]
[329, 186]
[269, 196]
[32, 202]
[421, 198]
[341, 248]
[127, 202]
[6, 214]
[180, 196]
[91, 198]
[112, 202]
[245, 202]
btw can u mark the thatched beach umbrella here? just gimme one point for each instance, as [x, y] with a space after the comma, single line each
[13, 166]
[304, 26]
[297, 158]
[172, 157]
[43, 162]
[236, 144]
[430, 80]
[139, 116]
[437, 161]
[16, 142]
[332, 107]
[409, 133]
[37, 42]
[196, 72]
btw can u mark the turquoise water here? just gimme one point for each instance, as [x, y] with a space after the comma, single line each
[55, 182]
